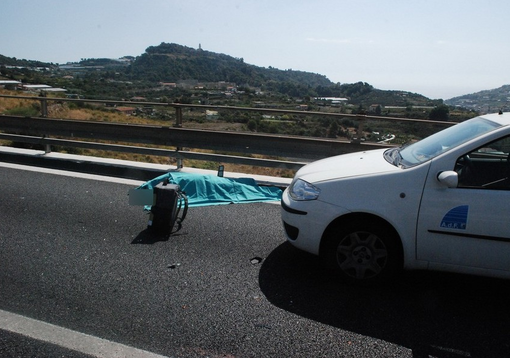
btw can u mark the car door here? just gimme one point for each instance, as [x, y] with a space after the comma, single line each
[468, 225]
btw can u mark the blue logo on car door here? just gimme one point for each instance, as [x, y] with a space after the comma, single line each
[456, 218]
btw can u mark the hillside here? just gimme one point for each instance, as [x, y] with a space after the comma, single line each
[172, 62]
[484, 101]
[191, 69]
[12, 61]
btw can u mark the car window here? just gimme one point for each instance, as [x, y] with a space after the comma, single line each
[487, 167]
[445, 140]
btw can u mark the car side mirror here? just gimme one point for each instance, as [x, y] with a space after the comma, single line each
[449, 178]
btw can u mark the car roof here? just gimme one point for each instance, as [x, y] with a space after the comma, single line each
[500, 118]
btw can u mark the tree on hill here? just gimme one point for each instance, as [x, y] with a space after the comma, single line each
[13, 61]
[440, 113]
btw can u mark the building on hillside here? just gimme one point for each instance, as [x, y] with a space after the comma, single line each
[331, 101]
[211, 114]
[53, 90]
[9, 84]
[34, 87]
[375, 108]
[168, 84]
[138, 99]
[129, 111]
[41, 88]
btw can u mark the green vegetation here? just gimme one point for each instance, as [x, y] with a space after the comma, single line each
[198, 74]
[174, 73]
[13, 61]
[29, 111]
[440, 113]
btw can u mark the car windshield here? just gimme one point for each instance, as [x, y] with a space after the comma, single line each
[440, 142]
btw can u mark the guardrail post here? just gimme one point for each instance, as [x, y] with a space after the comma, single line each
[359, 132]
[178, 117]
[47, 146]
[179, 160]
[178, 124]
[44, 105]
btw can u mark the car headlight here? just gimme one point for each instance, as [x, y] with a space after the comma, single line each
[302, 190]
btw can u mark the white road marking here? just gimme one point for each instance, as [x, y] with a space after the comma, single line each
[69, 339]
[72, 174]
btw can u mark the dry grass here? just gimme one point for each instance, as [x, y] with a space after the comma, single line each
[10, 103]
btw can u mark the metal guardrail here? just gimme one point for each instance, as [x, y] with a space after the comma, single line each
[40, 130]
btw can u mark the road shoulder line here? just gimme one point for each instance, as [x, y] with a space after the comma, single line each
[63, 337]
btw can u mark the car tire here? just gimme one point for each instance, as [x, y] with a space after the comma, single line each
[362, 252]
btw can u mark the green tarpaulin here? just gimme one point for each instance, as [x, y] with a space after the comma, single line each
[203, 190]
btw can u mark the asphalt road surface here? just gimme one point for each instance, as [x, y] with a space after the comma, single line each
[75, 256]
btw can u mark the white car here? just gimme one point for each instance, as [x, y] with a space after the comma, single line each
[442, 203]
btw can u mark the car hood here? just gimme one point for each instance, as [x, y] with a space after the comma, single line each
[347, 165]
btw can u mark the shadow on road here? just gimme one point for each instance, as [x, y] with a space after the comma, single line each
[147, 237]
[433, 314]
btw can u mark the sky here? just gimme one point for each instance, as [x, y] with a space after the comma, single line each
[437, 48]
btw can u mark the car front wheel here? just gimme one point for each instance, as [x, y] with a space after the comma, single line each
[362, 253]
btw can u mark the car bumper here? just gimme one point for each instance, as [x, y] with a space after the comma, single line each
[304, 222]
